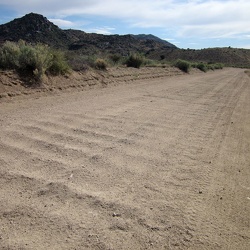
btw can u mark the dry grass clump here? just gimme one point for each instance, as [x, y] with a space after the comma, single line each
[100, 64]
[115, 58]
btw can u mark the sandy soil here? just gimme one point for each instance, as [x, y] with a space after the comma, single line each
[160, 163]
[11, 85]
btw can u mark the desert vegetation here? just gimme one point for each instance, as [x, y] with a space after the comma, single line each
[135, 60]
[207, 66]
[182, 65]
[39, 60]
[100, 64]
[186, 65]
[35, 60]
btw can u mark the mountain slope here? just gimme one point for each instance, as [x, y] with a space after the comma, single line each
[154, 38]
[37, 28]
[34, 28]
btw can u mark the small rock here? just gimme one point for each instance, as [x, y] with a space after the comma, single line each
[116, 215]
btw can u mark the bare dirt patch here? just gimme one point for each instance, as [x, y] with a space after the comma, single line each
[159, 164]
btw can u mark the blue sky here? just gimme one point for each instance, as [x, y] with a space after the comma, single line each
[186, 23]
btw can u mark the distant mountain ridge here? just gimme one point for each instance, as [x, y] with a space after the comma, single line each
[154, 38]
[36, 28]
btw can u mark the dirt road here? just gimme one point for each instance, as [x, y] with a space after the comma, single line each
[157, 164]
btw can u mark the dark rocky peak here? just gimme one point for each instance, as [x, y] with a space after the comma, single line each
[30, 23]
[33, 28]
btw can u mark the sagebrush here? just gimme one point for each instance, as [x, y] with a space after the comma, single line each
[183, 65]
[135, 60]
[101, 64]
[36, 60]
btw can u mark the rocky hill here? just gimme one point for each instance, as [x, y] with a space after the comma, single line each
[35, 28]
[153, 38]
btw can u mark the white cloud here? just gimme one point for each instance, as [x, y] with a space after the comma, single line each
[204, 18]
[62, 23]
[66, 24]
[168, 39]
[220, 30]
[102, 30]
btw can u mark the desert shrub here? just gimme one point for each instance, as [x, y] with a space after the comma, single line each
[151, 63]
[26, 58]
[9, 56]
[162, 57]
[59, 65]
[115, 58]
[182, 65]
[202, 66]
[78, 64]
[210, 67]
[218, 65]
[76, 61]
[101, 64]
[91, 61]
[36, 60]
[193, 65]
[135, 60]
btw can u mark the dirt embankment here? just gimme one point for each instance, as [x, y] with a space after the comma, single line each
[12, 85]
[159, 164]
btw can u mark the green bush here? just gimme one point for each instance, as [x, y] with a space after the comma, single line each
[183, 65]
[27, 61]
[151, 63]
[100, 64]
[135, 61]
[59, 65]
[210, 67]
[218, 65]
[9, 56]
[36, 60]
[194, 65]
[202, 66]
[91, 61]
